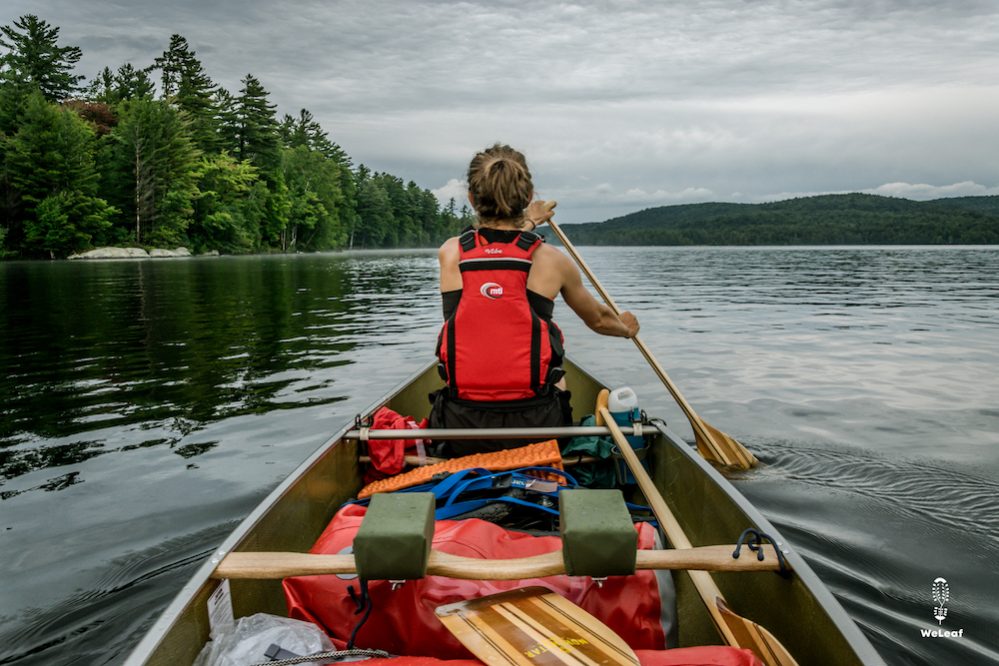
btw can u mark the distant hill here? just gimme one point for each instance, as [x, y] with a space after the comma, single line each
[833, 219]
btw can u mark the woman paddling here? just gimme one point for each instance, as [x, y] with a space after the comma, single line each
[500, 352]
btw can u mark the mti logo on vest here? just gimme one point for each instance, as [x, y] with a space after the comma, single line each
[491, 290]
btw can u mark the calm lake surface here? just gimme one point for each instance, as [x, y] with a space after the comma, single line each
[146, 407]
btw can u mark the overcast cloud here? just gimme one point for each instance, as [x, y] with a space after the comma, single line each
[618, 105]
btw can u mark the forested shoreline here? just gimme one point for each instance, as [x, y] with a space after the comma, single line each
[160, 155]
[831, 219]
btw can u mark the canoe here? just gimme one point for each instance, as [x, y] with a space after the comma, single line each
[798, 609]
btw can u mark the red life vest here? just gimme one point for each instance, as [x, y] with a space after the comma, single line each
[495, 346]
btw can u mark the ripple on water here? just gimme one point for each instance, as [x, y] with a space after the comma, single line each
[116, 378]
[879, 530]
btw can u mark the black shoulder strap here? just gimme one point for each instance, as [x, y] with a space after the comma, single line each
[526, 239]
[467, 240]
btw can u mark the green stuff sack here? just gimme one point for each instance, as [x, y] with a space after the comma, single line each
[598, 474]
[393, 542]
[598, 537]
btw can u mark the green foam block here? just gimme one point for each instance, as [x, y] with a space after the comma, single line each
[598, 537]
[393, 542]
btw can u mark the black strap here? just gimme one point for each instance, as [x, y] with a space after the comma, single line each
[467, 240]
[535, 352]
[364, 607]
[486, 264]
[526, 239]
[452, 380]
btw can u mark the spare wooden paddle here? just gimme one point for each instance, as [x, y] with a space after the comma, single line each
[533, 626]
[735, 629]
[712, 444]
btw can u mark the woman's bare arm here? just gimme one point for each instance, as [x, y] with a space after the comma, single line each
[598, 316]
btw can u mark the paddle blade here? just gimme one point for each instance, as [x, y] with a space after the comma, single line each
[750, 635]
[533, 626]
[723, 449]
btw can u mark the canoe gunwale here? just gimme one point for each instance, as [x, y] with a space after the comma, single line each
[203, 576]
[861, 645]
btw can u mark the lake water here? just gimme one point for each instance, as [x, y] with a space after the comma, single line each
[146, 407]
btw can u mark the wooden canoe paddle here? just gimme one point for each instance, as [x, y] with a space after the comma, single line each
[533, 626]
[713, 444]
[735, 629]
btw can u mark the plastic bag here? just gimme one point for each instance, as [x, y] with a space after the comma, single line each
[247, 642]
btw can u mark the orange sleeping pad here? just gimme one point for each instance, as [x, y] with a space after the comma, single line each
[542, 454]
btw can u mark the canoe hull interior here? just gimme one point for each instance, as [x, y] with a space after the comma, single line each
[799, 610]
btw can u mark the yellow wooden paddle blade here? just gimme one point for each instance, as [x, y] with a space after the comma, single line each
[602, 399]
[723, 449]
[750, 635]
[533, 626]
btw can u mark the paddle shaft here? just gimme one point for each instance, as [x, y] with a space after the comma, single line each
[751, 635]
[705, 586]
[701, 431]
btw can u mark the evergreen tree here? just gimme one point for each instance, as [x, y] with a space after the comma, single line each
[257, 126]
[375, 224]
[101, 87]
[313, 182]
[131, 83]
[197, 165]
[278, 205]
[50, 162]
[306, 131]
[115, 87]
[226, 121]
[187, 86]
[154, 171]
[35, 59]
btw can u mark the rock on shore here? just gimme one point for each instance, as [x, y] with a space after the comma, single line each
[130, 253]
[179, 252]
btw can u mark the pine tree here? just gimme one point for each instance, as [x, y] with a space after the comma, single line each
[187, 86]
[258, 127]
[306, 131]
[35, 59]
[227, 125]
[53, 179]
[131, 83]
[101, 87]
[375, 223]
[115, 87]
[154, 171]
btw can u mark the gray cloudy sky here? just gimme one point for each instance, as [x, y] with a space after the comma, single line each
[618, 105]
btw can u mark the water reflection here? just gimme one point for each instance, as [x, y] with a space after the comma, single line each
[115, 345]
[146, 407]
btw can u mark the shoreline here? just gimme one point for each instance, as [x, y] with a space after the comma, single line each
[111, 252]
[135, 253]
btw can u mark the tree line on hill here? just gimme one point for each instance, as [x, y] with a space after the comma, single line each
[163, 156]
[842, 219]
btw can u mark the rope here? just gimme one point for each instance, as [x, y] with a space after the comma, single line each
[336, 655]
